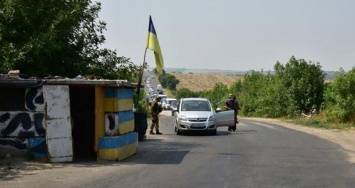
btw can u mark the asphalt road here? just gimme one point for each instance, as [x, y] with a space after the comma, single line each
[256, 155]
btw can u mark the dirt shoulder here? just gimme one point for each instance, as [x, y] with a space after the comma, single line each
[345, 139]
[12, 167]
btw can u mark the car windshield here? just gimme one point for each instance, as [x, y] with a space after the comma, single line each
[173, 103]
[197, 105]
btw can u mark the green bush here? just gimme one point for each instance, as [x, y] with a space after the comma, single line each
[339, 101]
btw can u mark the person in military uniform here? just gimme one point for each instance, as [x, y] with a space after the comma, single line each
[155, 110]
[232, 104]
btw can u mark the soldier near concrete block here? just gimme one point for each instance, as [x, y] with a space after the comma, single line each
[155, 110]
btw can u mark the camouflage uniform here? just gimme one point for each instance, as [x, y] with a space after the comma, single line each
[155, 110]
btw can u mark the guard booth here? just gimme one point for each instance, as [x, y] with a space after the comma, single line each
[63, 120]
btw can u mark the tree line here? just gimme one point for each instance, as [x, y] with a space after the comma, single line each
[58, 38]
[288, 91]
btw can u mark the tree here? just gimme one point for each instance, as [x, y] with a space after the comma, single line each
[168, 81]
[184, 92]
[340, 97]
[112, 66]
[293, 88]
[56, 37]
[253, 86]
[302, 85]
[217, 93]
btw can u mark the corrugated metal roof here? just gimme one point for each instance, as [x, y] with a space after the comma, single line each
[16, 81]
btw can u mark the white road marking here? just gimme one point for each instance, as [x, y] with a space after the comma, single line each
[267, 126]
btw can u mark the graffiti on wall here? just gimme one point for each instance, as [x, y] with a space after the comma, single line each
[17, 126]
[19, 143]
[22, 124]
[34, 100]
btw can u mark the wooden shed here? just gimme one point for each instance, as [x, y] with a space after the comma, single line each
[68, 119]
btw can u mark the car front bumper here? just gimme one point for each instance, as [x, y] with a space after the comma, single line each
[186, 125]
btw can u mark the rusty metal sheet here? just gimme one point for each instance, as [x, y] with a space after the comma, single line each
[58, 123]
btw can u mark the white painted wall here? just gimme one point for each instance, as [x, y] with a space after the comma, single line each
[58, 123]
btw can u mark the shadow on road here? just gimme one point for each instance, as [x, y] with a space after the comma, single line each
[160, 151]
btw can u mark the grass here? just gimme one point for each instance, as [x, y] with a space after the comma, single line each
[6, 163]
[322, 123]
[29, 154]
[168, 93]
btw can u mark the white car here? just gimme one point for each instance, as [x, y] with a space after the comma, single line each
[168, 103]
[197, 114]
[159, 87]
[162, 98]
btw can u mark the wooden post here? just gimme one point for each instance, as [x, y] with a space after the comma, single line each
[140, 75]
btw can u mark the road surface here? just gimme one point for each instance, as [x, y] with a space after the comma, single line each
[258, 154]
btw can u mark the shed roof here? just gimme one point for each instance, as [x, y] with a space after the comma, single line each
[16, 81]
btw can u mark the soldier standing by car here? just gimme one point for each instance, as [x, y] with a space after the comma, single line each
[237, 108]
[155, 109]
[232, 104]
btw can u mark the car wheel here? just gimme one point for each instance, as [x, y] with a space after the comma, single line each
[178, 132]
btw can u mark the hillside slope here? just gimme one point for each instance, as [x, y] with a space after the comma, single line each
[201, 82]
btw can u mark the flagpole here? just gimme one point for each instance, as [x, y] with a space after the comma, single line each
[140, 76]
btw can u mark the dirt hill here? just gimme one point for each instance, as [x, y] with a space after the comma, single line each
[201, 81]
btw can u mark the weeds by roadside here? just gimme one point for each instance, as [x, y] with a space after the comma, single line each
[322, 123]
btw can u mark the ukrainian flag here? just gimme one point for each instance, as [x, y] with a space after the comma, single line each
[153, 44]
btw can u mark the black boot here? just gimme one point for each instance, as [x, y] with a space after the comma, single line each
[157, 132]
[151, 132]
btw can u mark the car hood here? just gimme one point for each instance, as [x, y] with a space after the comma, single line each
[196, 114]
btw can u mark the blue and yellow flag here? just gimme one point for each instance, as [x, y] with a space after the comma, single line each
[153, 44]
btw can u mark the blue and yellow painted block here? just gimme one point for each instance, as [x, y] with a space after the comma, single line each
[119, 123]
[112, 148]
[38, 147]
[118, 99]
[118, 147]
[125, 122]
[132, 143]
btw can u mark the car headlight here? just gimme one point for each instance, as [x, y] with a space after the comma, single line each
[183, 118]
[211, 118]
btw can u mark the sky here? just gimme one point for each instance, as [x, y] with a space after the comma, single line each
[239, 35]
